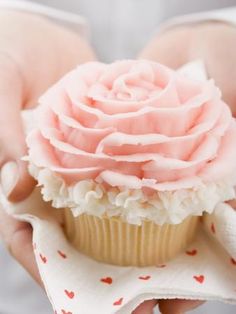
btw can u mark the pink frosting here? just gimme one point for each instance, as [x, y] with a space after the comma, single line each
[136, 124]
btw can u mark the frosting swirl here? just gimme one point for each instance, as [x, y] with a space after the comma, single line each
[136, 125]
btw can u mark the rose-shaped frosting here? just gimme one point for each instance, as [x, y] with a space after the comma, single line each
[133, 126]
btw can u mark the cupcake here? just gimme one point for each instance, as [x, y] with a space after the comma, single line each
[133, 153]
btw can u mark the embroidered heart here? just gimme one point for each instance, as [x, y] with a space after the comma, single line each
[65, 312]
[70, 294]
[118, 302]
[43, 258]
[107, 280]
[144, 277]
[63, 255]
[233, 261]
[191, 253]
[199, 278]
[213, 230]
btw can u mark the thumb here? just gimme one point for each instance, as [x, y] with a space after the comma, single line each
[16, 182]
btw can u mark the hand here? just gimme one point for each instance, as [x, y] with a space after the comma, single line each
[34, 53]
[215, 44]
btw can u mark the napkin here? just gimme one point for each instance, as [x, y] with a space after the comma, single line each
[76, 284]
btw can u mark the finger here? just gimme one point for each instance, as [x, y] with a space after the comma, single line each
[18, 238]
[178, 306]
[145, 307]
[232, 203]
[169, 48]
[18, 184]
[219, 59]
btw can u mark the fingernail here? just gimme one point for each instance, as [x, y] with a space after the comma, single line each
[9, 177]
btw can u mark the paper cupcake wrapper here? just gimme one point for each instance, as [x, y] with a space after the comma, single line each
[112, 241]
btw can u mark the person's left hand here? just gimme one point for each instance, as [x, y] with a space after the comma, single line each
[215, 44]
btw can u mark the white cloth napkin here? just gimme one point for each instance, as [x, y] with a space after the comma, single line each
[76, 284]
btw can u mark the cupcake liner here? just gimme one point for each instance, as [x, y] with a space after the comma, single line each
[113, 241]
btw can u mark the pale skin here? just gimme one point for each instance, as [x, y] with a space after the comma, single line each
[30, 63]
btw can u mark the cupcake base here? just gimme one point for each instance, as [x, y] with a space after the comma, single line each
[113, 241]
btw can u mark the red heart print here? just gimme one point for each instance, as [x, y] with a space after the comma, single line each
[233, 261]
[65, 312]
[199, 278]
[192, 253]
[43, 258]
[144, 277]
[107, 280]
[63, 255]
[70, 294]
[118, 302]
[213, 229]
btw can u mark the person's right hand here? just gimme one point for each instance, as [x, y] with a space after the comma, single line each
[34, 53]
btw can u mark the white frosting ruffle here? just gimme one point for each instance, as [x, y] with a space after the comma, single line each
[134, 206]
